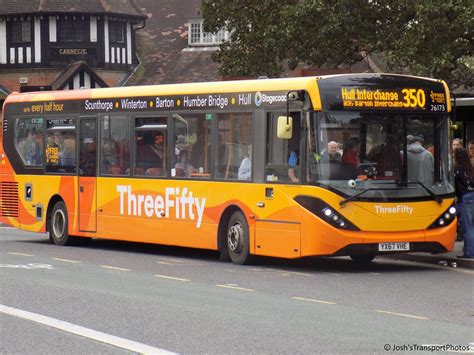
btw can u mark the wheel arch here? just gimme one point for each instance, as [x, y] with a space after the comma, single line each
[54, 199]
[222, 229]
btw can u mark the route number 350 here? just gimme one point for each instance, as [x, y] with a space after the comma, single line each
[413, 98]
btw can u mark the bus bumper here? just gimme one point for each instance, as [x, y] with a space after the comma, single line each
[437, 240]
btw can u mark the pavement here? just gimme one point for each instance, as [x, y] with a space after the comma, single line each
[446, 259]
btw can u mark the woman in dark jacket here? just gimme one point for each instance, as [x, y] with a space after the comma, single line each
[464, 183]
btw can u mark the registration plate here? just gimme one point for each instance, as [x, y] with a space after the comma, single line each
[402, 246]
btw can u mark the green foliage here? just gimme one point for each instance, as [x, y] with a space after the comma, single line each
[429, 37]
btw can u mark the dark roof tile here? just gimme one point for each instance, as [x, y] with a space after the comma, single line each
[122, 7]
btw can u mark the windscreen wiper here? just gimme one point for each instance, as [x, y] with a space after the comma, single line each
[437, 198]
[353, 197]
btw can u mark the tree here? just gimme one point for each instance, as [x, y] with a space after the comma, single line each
[432, 37]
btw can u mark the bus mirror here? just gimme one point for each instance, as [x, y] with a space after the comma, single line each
[285, 127]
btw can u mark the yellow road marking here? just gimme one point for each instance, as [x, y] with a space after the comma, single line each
[21, 254]
[402, 314]
[312, 300]
[236, 288]
[66, 260]
[114, 268]
[172, 278]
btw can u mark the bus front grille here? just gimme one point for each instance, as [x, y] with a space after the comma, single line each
[9, 199]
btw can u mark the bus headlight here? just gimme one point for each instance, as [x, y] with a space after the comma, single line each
[445, 219]
[325, 212]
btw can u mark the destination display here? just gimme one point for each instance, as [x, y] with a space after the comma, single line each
[378, 93]
[156, 103]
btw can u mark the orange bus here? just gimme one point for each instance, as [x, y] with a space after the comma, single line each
[346, 165]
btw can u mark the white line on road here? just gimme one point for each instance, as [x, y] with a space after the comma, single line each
[402, 314]
[312, 300]
[66, 260]
[172, 278]
[21, 254]
[165, 263]
[236, 288]
[176, 260]
[114, 268]
[84, 332]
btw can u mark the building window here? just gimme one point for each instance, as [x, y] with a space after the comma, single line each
[73, 30]
[21, 31]
[117, 31]
[197, 37]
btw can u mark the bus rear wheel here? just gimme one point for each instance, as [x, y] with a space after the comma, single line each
[362, 259]
[58, 231]
[238, 243]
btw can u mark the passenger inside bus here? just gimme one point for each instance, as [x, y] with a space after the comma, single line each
[150, 154]
[331, 154]
[35, 151]
[183, 167]
[245, 168]
[351, 151]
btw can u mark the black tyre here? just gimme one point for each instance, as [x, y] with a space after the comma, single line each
[58, 230]
[362, 259]
[238, 243]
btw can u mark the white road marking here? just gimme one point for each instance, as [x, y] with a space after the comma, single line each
[28, 267]
[172, 278]
[21, 254]
[114, 268]
[236, 288]
[176, 260]
[312, 300]
[165, 263]
[84, 332]
[402, 314]
[66, 260]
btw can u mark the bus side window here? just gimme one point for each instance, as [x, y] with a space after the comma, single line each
[234, 145]
[29, 140]
[191, 158]
[115, 152]
[283, 155]
[150, 146]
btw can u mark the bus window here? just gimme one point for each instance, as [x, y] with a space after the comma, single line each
[191, 146]
[283, 155]
[61, 145]
[234, 144]
[29, 140]
[115, 153]
[150, 146]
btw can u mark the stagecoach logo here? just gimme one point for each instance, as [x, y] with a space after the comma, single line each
[258, 98]
[393, 210]
[269, 98]
[184, 204]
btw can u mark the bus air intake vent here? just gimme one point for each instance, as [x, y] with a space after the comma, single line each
[5, 124]
[9, 199]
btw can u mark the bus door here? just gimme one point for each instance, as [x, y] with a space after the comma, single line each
[87, 191]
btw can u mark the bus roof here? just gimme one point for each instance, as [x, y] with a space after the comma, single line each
[309, 84]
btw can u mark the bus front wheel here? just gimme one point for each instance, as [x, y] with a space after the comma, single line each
[58, 231]
[238, 243]
[362, 259]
